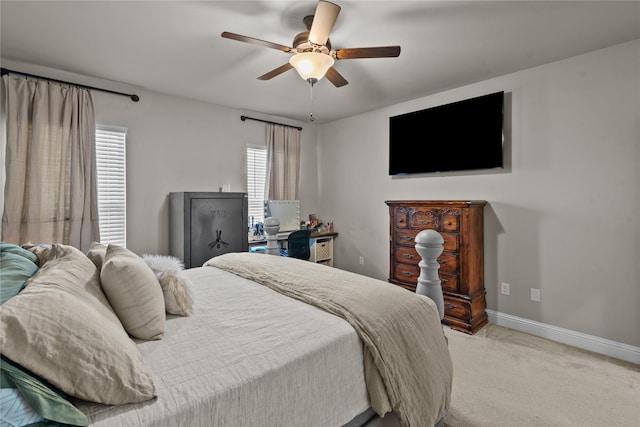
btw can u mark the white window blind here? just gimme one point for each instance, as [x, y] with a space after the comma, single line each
[256, 175]
[112, 195]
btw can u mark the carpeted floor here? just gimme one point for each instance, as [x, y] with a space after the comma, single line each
[507, 378]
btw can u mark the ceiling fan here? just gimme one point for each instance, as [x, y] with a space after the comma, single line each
[312, 56]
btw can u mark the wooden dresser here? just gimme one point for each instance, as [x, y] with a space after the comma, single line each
[461, 264]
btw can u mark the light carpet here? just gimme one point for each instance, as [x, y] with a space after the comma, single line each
[503, 377]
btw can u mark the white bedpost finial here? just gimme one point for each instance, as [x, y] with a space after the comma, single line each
[429, 245]
[271, 227]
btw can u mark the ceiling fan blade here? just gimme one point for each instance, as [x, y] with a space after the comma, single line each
[275, 72]
[335, 77]
[258, 42]
[368, 52]
[323, 20]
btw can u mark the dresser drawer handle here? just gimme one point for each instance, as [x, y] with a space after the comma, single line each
[449, 223]
[407, 274]
[408, 238]
[442, 261]
[408, 256]
[444, 280]
[450, 306]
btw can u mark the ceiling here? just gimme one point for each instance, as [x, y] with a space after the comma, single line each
[175, 47]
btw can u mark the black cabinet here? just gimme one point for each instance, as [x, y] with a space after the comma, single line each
[206, 224]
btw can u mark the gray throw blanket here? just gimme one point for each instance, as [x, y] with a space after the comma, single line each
[408, 367]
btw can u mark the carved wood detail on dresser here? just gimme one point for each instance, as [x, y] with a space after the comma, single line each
[461, 224]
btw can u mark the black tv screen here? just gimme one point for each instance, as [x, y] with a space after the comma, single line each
[464, 135]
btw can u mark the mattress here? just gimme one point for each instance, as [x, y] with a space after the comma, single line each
[248, 356]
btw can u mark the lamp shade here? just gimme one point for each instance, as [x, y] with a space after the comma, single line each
[311, 65]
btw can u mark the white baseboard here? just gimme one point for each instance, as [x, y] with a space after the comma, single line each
[566, 336]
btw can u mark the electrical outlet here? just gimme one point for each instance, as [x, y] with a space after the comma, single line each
[505, 289]
[535, 294]
[361, 260]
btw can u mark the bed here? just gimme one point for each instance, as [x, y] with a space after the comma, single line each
[267, 341]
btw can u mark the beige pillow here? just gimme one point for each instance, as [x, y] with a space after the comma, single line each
[96, 254]
[178, 297]
[133, 292]
[62, 328]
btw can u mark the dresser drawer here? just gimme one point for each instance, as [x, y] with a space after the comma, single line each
[406, 273]
[450, 242]
[448, 282]
[407, 254]
[457, 308]
[424, 218]
[450, 220]
[406, 237]
[409, 274]
[400, 217]
[448, 262]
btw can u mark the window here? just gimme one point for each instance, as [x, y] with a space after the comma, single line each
[256, 176]
[112, 193]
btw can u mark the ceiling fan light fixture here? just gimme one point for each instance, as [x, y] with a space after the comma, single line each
[311, 65]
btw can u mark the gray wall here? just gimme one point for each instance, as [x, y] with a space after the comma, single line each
[175, 144]
[564, 215]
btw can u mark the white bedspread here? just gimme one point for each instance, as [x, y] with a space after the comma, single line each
[407, 366]
[247, 357]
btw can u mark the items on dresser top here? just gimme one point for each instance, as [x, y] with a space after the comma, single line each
[461, 264]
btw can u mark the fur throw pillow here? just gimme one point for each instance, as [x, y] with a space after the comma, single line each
[178, 297]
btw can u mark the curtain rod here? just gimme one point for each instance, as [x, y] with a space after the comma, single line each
[134, 98]
[243, 118]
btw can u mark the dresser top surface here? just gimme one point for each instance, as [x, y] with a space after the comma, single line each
[436, 202]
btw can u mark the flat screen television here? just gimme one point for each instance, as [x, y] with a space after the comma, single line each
[464, 135]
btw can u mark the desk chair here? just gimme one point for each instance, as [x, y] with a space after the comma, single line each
[298, 244]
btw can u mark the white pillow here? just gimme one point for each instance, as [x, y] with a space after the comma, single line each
[134, 294]
[178, 297]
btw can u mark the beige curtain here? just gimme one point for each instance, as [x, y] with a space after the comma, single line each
[50, 187]
[283, 163]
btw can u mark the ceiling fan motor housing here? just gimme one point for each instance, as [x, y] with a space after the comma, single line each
[301, 43]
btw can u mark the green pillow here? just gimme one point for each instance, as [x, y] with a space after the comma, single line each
[46, 402]
[15, 270]
[15, 249]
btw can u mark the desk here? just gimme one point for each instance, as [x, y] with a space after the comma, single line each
[321, 246]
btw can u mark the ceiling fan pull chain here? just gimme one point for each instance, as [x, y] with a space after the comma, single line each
[311, 82]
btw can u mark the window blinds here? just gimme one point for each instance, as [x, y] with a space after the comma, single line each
[111, 172]
[256, 175]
